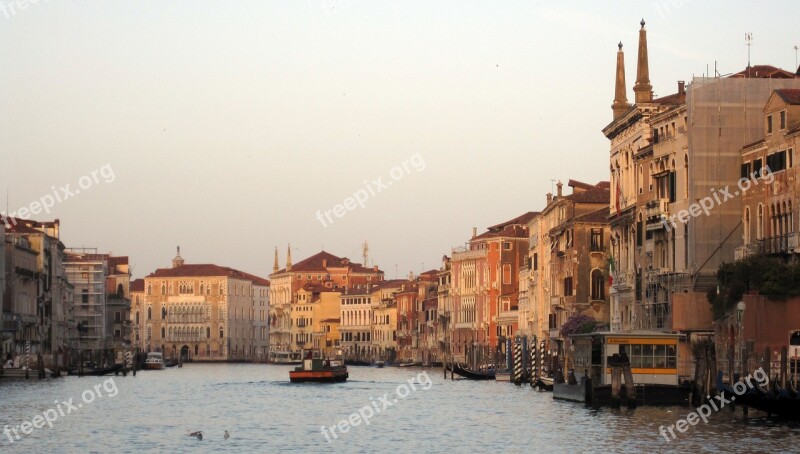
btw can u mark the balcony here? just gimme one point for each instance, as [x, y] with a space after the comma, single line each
[656, 210]
[463, 254]
[776, 245]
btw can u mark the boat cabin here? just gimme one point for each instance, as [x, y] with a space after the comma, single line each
[653, 356]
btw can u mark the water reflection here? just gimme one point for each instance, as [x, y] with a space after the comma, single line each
[155, 410]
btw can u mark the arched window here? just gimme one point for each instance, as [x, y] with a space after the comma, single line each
[686, 175]
[221, 332]
[149, 313]
[149, 289]
[598, 285]
[760, 222]
[137, 317]
[208, 332]
[746, 222]
[163, 312]
[163, 332]
[120, 291]
[163, 288]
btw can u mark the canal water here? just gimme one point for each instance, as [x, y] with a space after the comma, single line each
[407, 410]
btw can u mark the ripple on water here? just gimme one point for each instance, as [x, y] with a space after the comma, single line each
[153, 411]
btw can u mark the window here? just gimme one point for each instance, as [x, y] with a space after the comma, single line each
[777, 161]
[85, 296]
[746, 169]
[648, 356]
[598, 286]
[757, 164]
[149, 313]
[597, 240]
[568, 286]
[118, 316]
[506, 274]
[783, 119]
[769, 124]
[506, 245]
[535, 261]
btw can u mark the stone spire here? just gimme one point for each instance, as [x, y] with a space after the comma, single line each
[275, 266]
[178, 260]
[289, 258]
[642, 88]
[620, 98]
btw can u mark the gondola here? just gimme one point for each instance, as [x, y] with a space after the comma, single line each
[97, 371]
[470, 374]
[773, 400]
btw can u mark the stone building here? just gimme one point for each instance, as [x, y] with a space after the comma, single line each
[324, 272]
[201, 312]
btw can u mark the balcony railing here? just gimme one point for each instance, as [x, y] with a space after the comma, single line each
[775, 245]
[468, 254]
[656, 210]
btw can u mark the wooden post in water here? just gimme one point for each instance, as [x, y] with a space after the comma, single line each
[630, 389]
[616, 377]
[767, 362]
[784, 364]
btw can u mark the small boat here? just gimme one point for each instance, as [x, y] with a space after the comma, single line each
[171, 362]
[379, 364]
[93, 370]
[471, 374]
[406, 364]
[155, 361]
[318, 370]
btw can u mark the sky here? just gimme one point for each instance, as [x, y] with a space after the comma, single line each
[234, 127]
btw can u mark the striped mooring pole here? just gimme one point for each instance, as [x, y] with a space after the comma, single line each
[541, 358]
[532, 366]
[524, 357]
[27, 358]
[128, 362]
[517, 361]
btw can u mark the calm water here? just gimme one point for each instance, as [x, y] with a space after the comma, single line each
[264, 413]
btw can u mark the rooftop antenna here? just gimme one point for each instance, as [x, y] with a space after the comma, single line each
[795, 57]
[365, 252]
[552, 182]
[748, 39]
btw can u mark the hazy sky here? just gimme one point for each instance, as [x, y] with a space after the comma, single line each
[228, 124]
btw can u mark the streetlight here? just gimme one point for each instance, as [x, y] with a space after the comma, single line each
[740, 307]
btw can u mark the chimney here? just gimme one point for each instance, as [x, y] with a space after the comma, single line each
[549, 197]
[375, 268]
[324, 263]
[559, 185]
[681, 87]
[474, 232]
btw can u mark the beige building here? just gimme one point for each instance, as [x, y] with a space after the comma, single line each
[324, 273]
[384, 320]
[355, 314]
[314, 303]
[201, 312]
[53, 293]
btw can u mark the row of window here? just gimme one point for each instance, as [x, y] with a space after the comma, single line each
[782, 120]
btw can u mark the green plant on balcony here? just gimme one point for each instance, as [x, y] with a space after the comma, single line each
[772, 277]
